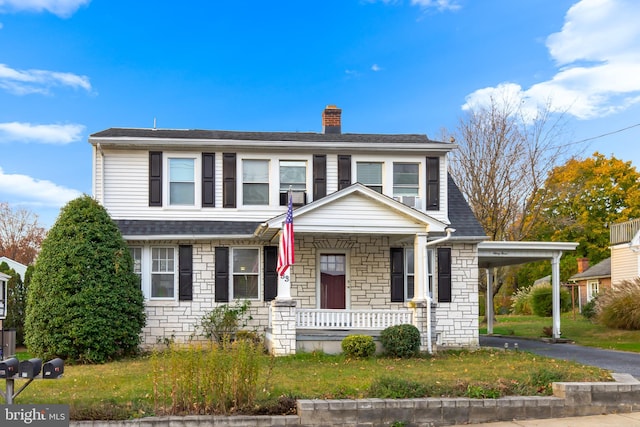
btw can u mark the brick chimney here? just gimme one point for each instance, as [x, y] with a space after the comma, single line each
[332, 119]
[583, 264]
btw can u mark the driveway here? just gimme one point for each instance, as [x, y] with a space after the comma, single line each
[622, 362]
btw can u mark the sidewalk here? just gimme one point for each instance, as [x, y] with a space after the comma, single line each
[612, 420]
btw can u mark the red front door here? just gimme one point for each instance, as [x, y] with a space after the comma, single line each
[333, 281]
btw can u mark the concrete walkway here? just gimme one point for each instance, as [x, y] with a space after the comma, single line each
[612, 420]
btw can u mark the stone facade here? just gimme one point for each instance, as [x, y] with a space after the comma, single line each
[454, 324]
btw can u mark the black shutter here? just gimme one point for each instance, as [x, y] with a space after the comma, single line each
[433, 183]
[344, 171]
[222, 274]
[270, 273]
[208, 180]
[229, 180]
[319, 176]
[444, 274]
[397, 275]
[185, 268]
[155, 178]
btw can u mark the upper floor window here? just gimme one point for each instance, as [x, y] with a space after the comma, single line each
[406, 187]
[181, 181]
[293, 175]
[246, 269]
[255, 182]
[370, 174]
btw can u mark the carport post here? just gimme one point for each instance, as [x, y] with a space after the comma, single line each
[489, 301]
[555, 290]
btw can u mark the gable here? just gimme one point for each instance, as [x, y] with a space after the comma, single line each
[358, 209]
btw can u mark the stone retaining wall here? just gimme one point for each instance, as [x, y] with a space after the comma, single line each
[569, 400]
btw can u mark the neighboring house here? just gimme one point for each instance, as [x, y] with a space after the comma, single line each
[625, 251]
[591, 280]
[19, 268]
[382, 234]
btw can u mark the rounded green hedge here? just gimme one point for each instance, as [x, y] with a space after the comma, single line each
[401, 341]
[359, 346]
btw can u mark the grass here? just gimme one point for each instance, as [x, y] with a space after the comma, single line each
[580, 330]
[124, 389]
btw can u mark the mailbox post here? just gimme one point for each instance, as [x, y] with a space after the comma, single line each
[11, 369]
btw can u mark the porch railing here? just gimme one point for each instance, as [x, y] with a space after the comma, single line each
[351, 319]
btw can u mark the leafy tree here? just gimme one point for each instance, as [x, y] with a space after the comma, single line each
[578, 202]
[84, 302]
[17, 300]
[20, 234]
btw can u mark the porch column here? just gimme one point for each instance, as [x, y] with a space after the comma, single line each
[283, 327]
[489, 300]
[555, 292]
[284, 286]
[421, 303]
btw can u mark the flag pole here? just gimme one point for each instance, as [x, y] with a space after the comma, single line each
[286, 252]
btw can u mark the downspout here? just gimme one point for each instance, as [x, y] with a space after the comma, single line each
[449, 231]
[100, 158]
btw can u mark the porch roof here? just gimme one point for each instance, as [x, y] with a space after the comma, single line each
[356, 209]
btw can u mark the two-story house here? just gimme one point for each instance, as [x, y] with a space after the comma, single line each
[382, 234]
[624, 238]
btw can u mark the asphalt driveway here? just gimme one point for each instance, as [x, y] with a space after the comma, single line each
[622, 362]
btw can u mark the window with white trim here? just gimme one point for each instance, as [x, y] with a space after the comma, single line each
[406, 183]
[255, 182]
[245, 267]
[157, 268]
[370, 174]
[182, 182]
[409, 273]
[592, 289]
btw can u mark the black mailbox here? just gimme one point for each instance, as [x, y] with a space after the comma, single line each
[53, 369]
[30, 368]
[9, 367]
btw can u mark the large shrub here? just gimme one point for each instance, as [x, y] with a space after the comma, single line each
[401, 340]
[618, 307]
[521, 302]
[84, 302]
[542, 300]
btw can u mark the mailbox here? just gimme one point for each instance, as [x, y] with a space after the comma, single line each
[30, 368]
[53, 369]
[9, 367]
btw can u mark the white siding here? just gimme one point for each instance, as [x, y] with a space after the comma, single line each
[332, 173]
[625, 264]
[126, 178]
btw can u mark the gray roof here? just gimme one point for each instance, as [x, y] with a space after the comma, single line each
[186, 228]
[601, 269]
[200, 134]
[460, 214]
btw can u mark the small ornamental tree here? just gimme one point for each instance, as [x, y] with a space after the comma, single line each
[84, 303]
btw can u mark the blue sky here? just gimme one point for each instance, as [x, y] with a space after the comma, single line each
[70, 68]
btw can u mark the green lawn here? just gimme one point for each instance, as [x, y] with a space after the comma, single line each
[125, 389]
[580, 330]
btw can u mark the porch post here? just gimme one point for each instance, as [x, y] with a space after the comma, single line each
[284, 286]
[283, 327]
[555, 292]
[421, 303]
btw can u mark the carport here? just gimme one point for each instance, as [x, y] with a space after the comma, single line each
[500, 253]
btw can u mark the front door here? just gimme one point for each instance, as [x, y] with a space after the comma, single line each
[333, 281]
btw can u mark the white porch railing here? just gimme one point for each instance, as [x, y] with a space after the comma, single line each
[351, 319]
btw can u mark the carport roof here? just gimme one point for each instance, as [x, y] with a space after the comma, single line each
[502, 253]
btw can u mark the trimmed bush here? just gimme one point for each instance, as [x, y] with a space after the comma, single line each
[358, 346]
[589, 309]
[401, 341]
[542, 300]
[84, 301]
[618, 307]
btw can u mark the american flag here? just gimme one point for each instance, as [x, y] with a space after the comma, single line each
[285, 254]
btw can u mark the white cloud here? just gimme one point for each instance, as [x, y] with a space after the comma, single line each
[598, 55]
[45, 134]
[61, 8]
[34, 191]
[22, 82]
[438, 4]
[375, 67]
